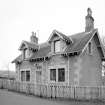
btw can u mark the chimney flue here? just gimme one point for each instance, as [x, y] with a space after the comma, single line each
[34, 38]
[89, 21]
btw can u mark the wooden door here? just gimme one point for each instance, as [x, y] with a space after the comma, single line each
[38, 76]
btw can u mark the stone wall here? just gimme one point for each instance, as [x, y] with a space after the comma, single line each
[91, 67]
[83, 70]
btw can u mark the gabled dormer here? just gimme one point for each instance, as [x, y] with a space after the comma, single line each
[59, 42]
[28, 48]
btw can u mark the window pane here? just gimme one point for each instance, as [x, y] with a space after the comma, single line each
[53, 74]
[61, 75]
[22, 75]
[90, 49]
[103, 68]
[57, 46]
[26, 53]
[27, 75]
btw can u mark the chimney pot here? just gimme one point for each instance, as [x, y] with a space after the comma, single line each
[34, 38]
[89, 21]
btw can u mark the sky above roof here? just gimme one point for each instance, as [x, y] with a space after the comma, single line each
[18, 18]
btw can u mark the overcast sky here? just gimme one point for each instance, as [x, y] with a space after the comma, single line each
[18, 18]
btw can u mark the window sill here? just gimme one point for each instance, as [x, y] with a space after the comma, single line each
[56, 82]
[26, 59]
[55, 53]
[25, 81]
[90, 54]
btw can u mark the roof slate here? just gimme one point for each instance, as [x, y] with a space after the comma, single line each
[31, 45]
[79, 42]
[19, 59]
[43, 51]
[64, 36]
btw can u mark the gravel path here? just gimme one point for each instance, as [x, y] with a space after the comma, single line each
[12, 98]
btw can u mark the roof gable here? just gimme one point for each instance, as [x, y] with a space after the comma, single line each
[60, 35]
[99, 44]
[29, 45]
[23, 45]
[17, 59]
[43, 51]
[80, 41]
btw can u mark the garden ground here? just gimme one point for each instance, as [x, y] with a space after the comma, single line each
[13, 98]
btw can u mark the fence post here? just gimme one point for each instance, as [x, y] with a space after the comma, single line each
[74, 92]
[55, 91]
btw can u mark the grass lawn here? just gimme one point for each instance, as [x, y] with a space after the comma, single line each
[12, 98]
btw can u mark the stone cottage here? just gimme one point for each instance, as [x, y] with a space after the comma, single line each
[63, 60]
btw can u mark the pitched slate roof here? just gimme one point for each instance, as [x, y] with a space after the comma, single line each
[19, 59]
[30, 45]
[43, 51]
[61, 35]
[64, 36]
[79, 42]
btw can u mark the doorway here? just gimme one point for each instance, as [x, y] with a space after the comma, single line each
[38, 77]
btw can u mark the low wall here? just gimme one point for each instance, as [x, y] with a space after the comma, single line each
[54, 91]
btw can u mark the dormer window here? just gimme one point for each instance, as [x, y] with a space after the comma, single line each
[26, 53]
[59, 42]
[57, 46]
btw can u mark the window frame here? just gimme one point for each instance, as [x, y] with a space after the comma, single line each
[103, 69]
[26, 53]
[53, 76]
[25, 78]
[66, 80]
[56, 46]
[59, 71]
[90, 48]
[22, 75]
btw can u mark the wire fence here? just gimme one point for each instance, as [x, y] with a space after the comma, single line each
[55, 91]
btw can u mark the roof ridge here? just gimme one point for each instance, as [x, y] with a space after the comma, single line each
[80, 39]
[29, 42]
[45, 44]
[83, 32]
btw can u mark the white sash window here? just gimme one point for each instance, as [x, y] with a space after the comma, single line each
[53, 74]
[27, 53]
[57, 75]
[25, 75]
[57, 46]
[61, 74]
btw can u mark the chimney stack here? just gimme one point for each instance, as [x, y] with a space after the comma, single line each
[89, 21]
[34, 38]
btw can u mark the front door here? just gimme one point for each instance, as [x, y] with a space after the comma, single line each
[38, 76]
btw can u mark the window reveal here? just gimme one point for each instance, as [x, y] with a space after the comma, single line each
[26, 53]
[57, 74]
[57, 46]
[103, 68]
[61, 75]
[25, 75]
[22, 75]
[90, 48]
[53, 74]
